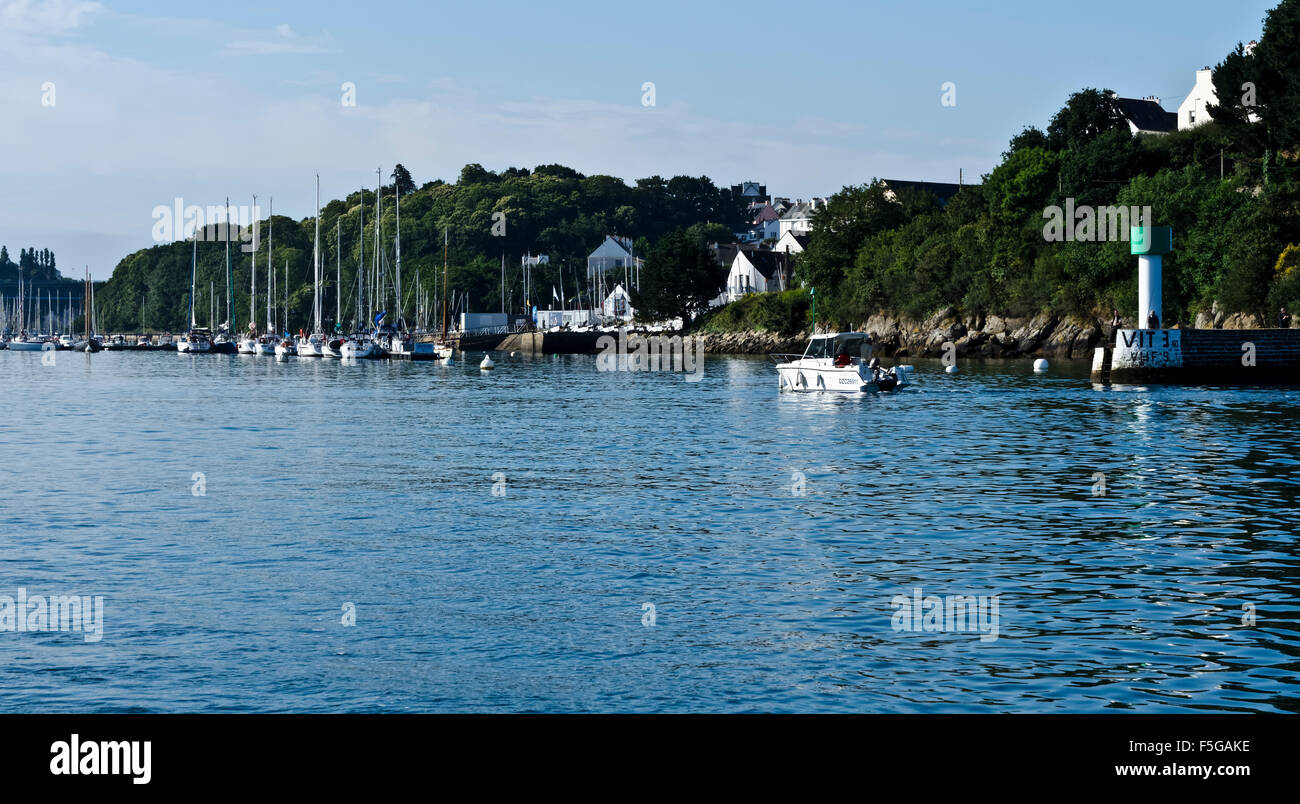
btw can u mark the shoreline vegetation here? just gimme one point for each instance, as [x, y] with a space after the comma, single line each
[988, 269]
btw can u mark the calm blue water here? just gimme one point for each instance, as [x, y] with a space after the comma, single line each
[372, 484]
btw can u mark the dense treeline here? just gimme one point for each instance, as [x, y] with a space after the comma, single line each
[1229, 188]
[35, 264]
[552, 210]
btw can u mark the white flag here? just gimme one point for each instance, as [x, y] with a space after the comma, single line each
[554, 295]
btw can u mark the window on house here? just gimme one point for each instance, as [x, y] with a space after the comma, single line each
[1191, 116]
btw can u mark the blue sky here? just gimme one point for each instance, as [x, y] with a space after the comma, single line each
[155, 101]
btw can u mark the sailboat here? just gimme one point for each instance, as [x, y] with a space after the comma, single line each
[313, 345]
[224, 343]
[334, 344]
[266, 344]
[402, 343]
[198, 339]
[89, 343]
[359, 343]
[248, 344]
[23, 342]
[444, 349]
[285, 347]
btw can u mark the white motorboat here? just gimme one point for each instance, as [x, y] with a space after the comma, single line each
[66, 341]
[247, 345]
[838, 361]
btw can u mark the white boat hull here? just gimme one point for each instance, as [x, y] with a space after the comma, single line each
[310, 347]
[806, 375]
[353, 349]
[24, 346]
[193, 347]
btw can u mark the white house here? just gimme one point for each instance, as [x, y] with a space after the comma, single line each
[614, 253]
[798, 218]
[757, 272]
[791, 243]
[1193, 110]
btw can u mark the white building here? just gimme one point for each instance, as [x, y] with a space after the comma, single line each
[757, 272]
[791, 243]
[548, 319]
[798, 218]
[614, 253]
[1192, 111]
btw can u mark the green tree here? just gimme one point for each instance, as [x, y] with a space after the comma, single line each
[679, 278]
[402, 180]
[1087, 115]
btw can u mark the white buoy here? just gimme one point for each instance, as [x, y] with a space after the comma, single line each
[1040, 365]
[487, 363]
[951, 369]
[514, 354]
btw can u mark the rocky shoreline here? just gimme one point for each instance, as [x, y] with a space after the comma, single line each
[1043, 335]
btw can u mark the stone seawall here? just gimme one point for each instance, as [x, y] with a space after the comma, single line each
[1201, 355]
[975, 336]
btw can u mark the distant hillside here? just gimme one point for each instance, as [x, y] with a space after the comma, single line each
[551, 210]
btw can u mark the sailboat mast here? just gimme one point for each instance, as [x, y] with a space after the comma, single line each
[194, 266]
[361, 256]
[379, 239]
[316, 259]
[397, 193]
[338, 270]
[270, 269]
[252, 294]
[230, 278]
[444, 282]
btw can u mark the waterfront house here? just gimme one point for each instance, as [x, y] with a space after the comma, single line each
[1146, 115]
[757, 271]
